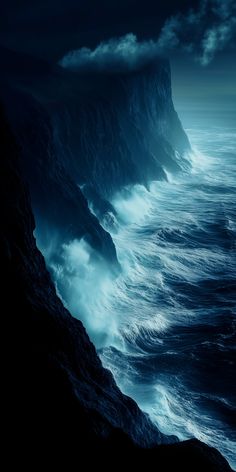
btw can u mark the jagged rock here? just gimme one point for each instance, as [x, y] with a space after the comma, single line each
[61, 403]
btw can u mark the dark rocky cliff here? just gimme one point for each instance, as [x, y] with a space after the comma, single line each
[93, 132]
[55, 358]
[60, 402]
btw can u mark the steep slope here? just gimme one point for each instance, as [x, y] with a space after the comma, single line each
[84, 137]
[59, 354]
[60, 400]
[125, 131]
[51, 186]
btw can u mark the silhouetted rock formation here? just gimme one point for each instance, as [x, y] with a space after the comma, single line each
[98, 132]
[61, 403]
[61, 398]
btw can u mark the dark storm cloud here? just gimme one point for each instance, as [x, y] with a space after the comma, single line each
[201, 32]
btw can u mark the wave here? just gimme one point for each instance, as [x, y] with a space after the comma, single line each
[168, 319]
[165, 322]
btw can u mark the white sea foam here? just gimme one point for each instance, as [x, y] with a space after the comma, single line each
[130, 316]
[133, 204]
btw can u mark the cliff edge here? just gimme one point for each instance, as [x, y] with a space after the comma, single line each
[61, 402]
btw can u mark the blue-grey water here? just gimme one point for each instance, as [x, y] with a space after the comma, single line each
[166, 326]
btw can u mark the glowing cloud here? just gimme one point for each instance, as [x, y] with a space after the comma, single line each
[115, 55]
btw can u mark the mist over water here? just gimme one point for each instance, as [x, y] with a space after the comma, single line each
[166, 325]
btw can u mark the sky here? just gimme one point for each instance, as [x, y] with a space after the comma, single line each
[199, 37]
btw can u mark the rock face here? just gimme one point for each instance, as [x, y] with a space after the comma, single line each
[60, 402]
[60, 350]
[97, 132]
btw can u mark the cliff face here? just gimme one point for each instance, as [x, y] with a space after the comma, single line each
[56, 360]
[62, 402]
[60, 208]
[97, 133]
[125, 131]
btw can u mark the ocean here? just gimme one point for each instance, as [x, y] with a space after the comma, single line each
[166, 326]
[175, 302]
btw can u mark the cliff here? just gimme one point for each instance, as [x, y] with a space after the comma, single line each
[96, 133]
[60, 402]
[56, 360]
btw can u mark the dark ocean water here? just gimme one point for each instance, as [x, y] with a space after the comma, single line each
[176, 302]
[166, 327]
